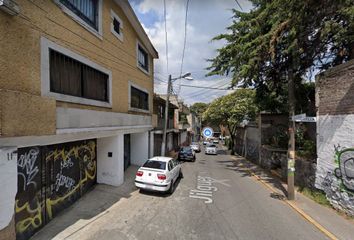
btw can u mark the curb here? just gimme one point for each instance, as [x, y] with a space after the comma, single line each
[292, 204]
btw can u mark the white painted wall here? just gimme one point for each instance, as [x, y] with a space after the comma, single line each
[110, 170]
[82, 118]
[334, 130]
[183, 137]
[139, 148]
[151, 144]
[8, 179]
[169, 141]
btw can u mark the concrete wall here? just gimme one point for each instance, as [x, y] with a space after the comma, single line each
[335, 142]
[8, 173]
[110, 170]
[183, 136]
[139, 148]
[20, 63]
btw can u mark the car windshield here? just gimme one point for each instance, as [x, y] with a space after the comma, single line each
[212, 146]
[155, 164]
[186, 149]
[194, 143]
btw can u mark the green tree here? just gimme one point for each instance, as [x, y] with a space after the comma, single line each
[230, 110]
[281, 35]
[199, 108]
[280, 41]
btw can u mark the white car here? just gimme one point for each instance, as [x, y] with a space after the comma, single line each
[216, 141]
[158, 174]
[195, 146]
[211, 149]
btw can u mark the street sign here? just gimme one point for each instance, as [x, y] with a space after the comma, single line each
[207, 132]
[298, 117]
[307, 119]
[303, 118]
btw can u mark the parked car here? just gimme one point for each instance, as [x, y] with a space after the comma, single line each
[158, 174]
[195, 146]
[205, 142]
[211, 149]
[186, 153]
[216, 141]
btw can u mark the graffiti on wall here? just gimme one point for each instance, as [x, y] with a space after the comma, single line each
[30, 196]
[28, 168]
[74, 171]
[51, 178]
[344, 159]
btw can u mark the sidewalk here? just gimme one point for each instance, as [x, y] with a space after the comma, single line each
[89, 208]
[329, 219]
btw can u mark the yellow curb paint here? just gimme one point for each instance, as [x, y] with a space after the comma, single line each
[293, 205]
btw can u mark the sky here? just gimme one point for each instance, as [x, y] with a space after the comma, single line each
[206, 19]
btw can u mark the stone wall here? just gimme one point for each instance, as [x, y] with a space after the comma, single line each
[335, 131]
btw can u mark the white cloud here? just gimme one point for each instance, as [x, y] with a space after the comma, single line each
[206, 19]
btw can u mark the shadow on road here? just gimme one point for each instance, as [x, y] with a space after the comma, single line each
[246, 168]
[160, 194]
[92, 205]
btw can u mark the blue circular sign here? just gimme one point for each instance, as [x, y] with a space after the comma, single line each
[208, 132]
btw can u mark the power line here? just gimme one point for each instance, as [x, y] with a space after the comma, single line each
[184, 44]
[164, 8]
[214, 88]
[239, 5]
[203, 92]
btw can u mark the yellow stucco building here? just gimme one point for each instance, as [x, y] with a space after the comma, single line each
[76, 92]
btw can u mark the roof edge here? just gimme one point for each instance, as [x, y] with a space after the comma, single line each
[133, 19]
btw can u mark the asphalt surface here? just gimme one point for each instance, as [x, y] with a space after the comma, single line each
[216, 199]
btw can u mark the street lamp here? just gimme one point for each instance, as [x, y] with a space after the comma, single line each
[186, 76]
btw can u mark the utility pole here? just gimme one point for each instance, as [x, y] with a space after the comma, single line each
[169, 88]
[291, 146]
[164, 136]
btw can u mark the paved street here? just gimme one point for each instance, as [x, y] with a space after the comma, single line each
[225, 203]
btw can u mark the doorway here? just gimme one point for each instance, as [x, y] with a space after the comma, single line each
[126, 151]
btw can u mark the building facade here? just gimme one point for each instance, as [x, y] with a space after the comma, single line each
[76, 89]
[335, 129]
[158, 121]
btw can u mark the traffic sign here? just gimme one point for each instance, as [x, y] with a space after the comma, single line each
[208, 132]
[303, 118]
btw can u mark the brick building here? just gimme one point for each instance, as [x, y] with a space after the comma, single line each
[335, 135]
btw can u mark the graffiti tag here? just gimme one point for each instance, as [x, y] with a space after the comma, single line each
[27, 163]
[344, 158]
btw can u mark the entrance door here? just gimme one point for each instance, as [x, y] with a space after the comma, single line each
[126, 151]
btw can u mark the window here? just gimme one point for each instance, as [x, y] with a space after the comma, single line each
[143, 58]
[71, 77]
[155, 164]
[139, 99]
[116, 26]
[87, 10]
[170, 165]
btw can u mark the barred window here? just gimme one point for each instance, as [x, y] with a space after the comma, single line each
[87, 10]
[143, 58]
[71, 77]
[139, 99]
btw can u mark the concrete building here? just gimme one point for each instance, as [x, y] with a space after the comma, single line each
[194, 126]
[181, 121]
[158, 121]
[76, 93]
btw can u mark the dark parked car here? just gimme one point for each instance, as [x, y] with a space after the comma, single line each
[186, 153]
